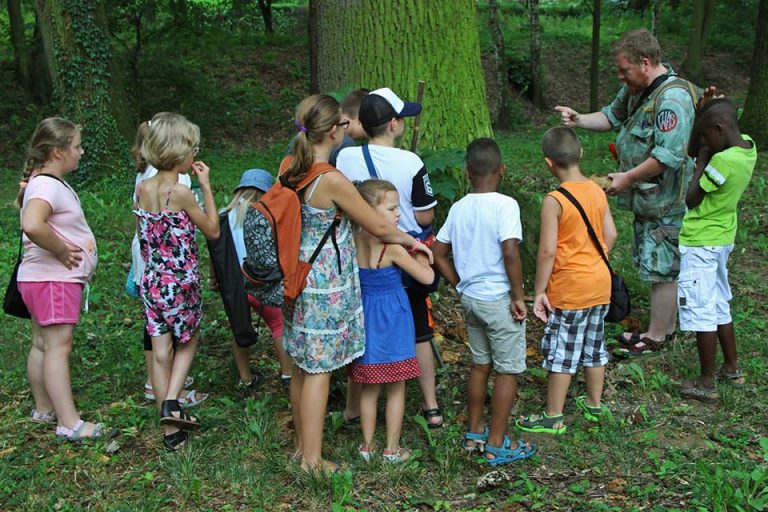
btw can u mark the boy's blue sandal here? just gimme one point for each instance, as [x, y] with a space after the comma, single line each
[479, 440]
[542, 424]
[506, 455]
[591, 413]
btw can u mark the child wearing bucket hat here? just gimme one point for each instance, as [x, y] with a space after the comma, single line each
[253, 184]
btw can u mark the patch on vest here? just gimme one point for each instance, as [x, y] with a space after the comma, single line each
[666, 120]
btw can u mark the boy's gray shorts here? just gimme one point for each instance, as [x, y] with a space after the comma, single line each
[494, 334]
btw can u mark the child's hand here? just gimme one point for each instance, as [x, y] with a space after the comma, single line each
[71, 256]
[541, 307]
[201, 172]
[420, 247]
[519, 310]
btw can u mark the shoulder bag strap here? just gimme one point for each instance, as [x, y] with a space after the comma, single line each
[648, 91]
[369, 162]
[591, 231]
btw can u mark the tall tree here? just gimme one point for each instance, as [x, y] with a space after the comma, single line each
[537, 73]
[753, 120]
[500, 111]
[594, 69]
[19, 43]
[700, 20]
[86, 90]
[388, 43]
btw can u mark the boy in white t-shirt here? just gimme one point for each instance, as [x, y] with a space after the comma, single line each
[483, 231]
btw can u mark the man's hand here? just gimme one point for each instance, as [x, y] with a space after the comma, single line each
[568, 116]
[619, 182]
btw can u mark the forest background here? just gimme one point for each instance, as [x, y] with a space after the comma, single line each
[237, 68]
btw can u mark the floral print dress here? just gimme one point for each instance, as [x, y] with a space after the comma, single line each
[170, 285]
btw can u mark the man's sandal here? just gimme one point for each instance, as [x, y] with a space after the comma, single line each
[693, 389]
[591, 413]
[541, 424]
[76, 433]
[505, 454]
[430, 414]
[176, 441]
[735, 379]
[183, 421]
[478, 440]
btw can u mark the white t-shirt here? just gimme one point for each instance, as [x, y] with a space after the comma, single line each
[68, 221]
[403, 169]
[237, 235]
[137, 262]
[476, 226]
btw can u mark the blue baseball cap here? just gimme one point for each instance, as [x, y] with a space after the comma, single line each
[257, 178]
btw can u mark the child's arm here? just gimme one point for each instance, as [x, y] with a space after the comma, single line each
[444, 264]
[545, 259]
[609, 230]
[695, 194]
[510, 252]
[208, 220]
[34, 222]
[417, 268]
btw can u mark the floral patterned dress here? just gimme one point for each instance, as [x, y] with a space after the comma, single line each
[326, 330]
[170, 285]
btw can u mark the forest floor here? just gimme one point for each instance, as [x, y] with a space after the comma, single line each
[656, 451]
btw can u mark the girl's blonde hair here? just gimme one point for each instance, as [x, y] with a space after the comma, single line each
[316, 115]
[169, 140]
[141, 132]
[373, 191]
[52, 133]
[240, 203]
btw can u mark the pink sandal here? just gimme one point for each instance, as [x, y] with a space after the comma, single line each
[75, 433]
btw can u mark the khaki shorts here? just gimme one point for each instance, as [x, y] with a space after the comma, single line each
[656, 251]
[494, 334]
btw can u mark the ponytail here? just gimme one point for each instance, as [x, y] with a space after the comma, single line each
[316, 115]
[52, 133]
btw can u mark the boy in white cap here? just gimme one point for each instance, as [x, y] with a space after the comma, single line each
[382, 115]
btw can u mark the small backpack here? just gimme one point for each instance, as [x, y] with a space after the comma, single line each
[272, 231]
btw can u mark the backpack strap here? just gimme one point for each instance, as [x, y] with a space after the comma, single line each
[681, 83]
[369, 162]
[592, 234]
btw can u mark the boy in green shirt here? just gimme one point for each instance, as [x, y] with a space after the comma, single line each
[725, 160]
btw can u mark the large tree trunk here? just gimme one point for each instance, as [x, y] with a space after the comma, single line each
[702, 14]
[753, 120]
[19, 43]
[499, 112]
[377, 43]
[265, 7]
[79, 56]
[594, 69]
[537, 73]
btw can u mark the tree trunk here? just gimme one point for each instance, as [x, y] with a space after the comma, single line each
[702, 13]
[265, 6]
[594, 70]
[753, 120]
[537, 74]
[499, 112]
[19, 43]
[79, 56]
[378, 43]
[314, 42]
[41, 84]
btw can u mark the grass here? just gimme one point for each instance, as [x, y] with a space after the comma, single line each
[657, 452]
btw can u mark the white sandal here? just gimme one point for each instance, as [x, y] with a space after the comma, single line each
[43, 417]
[75, 433]
[149, 392]
[191, 399]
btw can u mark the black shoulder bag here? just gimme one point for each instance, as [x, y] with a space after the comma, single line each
[13, 304]
[620, 305]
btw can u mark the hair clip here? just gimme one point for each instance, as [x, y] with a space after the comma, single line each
[300, 126]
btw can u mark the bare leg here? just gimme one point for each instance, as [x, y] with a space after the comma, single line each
[504, 395]
[369, 398]
[314, 398]
[663, 310]
[395, 412]
[286, 363]
[162, 350]
[557, 389]
[242, 361]
[354, 394]
[595, 377]
[706, 342]
[148, 363]
[477, 389]
[727, 338]
[57, 341]
[297, 383]
[35, 361]
[180, 366]
[427, 378]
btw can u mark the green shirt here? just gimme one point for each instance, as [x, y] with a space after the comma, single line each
[713, 221]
